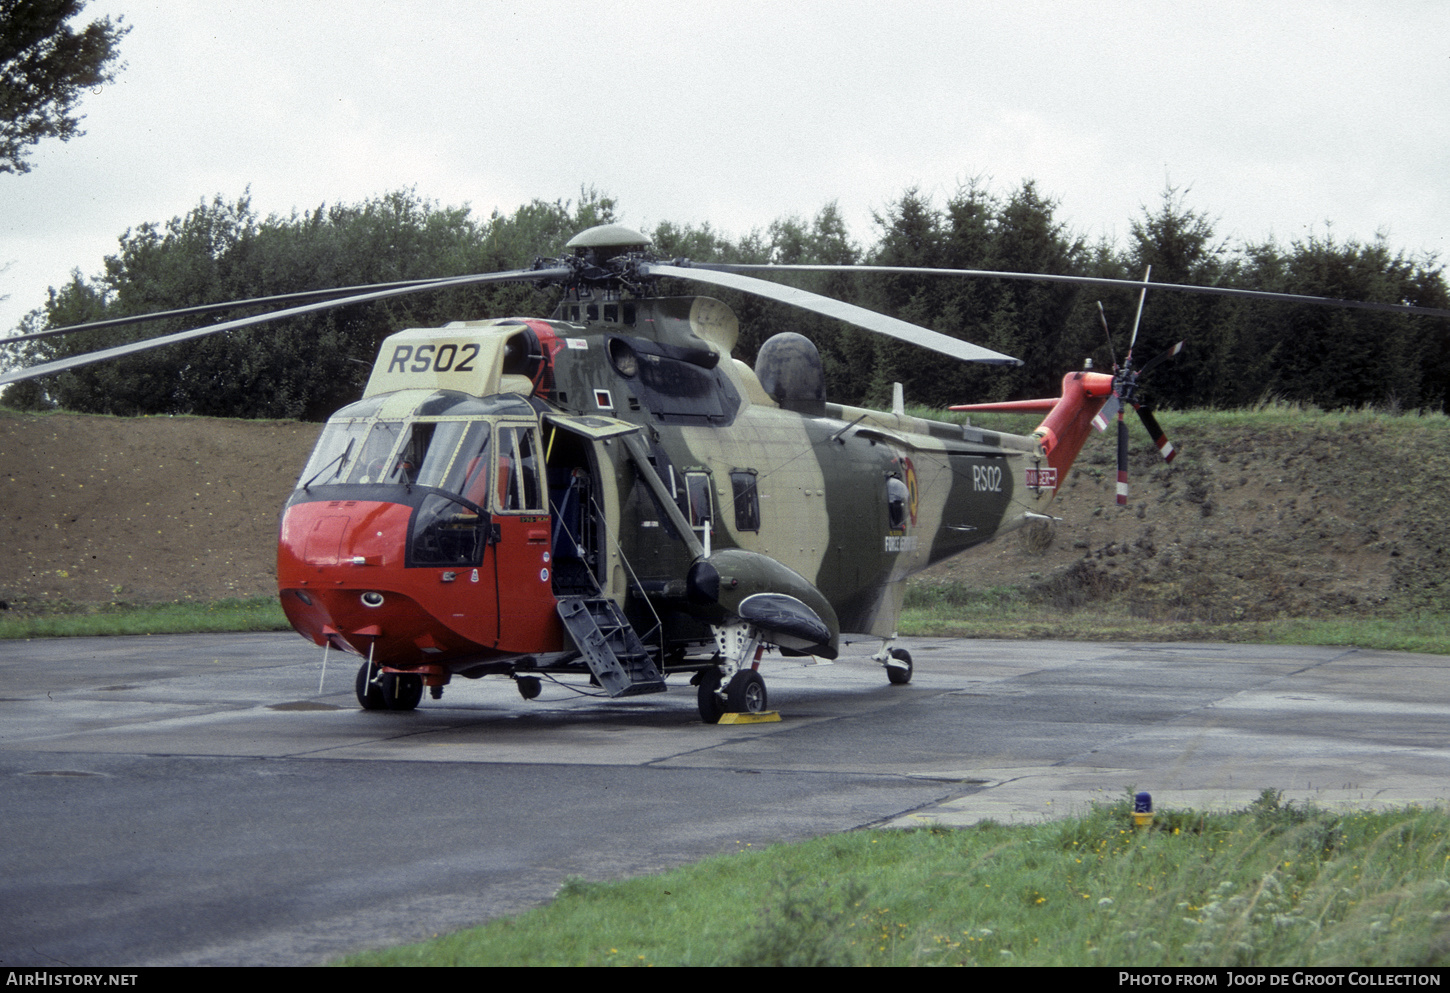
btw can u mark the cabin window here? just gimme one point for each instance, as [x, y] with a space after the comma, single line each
[624, 358]
[443, 445]
[697, 497]
[747, 500]
[897, 498]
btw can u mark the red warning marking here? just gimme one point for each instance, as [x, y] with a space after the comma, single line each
[1042, 479]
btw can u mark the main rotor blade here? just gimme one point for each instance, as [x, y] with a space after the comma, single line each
[1138, 318]
[841, 311]
[207, 308]
[1393, 308]
[61, 365]
[1103, 316]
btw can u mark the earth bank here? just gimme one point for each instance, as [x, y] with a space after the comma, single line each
[1260, 516]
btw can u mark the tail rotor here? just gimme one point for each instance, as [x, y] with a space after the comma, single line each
[1125, 394]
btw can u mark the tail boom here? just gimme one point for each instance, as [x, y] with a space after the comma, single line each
[1069, 417]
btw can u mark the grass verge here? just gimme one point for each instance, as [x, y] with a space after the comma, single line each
[1262, 416]
[75, 621]
[955, 610]
[937, 610]
[1274, 884]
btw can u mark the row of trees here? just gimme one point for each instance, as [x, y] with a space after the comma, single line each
[1239, 352]
[302, 367]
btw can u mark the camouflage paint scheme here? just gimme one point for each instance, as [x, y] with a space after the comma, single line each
[642, 394]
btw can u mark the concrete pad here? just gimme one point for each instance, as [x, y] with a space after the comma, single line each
[197, 800]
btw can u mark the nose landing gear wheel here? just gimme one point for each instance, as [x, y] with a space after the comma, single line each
[529, 686]
[369, 695]
[401, 690]
[746, 693]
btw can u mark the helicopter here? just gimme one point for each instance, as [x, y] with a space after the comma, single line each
[608, 493]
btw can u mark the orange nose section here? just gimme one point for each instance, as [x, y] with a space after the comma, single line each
[343, 578]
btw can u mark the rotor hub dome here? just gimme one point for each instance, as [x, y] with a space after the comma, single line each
[604, 241]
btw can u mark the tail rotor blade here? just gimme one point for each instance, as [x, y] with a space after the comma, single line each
[1164, 357]
[1122, 460]
[1165, 447]
[1109, 411]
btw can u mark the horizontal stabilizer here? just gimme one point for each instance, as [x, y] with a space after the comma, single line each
[1011, 406]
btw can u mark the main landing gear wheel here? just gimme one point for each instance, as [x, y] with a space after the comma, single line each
[897, 674]
[746, 693]
[401, 690]
[368, 692]
[529, 686]
[712, 708]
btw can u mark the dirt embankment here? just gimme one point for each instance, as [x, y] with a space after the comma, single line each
[145, 509]
[1254, 520]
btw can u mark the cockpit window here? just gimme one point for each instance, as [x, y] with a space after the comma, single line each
[353, 451]
[373, 463]
[518, 470]
[455, 458]
[332, 455]
[443, 444]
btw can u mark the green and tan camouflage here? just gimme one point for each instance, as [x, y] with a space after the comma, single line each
[724, 498]
[609, 492]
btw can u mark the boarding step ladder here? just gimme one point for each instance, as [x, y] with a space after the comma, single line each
[608, 642]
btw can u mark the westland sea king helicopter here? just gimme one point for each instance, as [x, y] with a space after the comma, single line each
[608, 493]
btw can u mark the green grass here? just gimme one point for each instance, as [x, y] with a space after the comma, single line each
[955, 610]
[74, 621]
[1274, 884]
[1262, 416]
[943, 610]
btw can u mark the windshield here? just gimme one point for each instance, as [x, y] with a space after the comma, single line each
[445, 443]
[449, 455]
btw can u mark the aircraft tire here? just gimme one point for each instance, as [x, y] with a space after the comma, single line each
[401, 690]
[896, 675]
[369, 695]
[712, 708]
[529, 686]
[746, 693]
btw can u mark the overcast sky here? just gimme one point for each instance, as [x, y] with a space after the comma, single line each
[1281, 118]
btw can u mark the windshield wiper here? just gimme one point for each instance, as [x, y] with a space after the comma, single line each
[341, 459]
